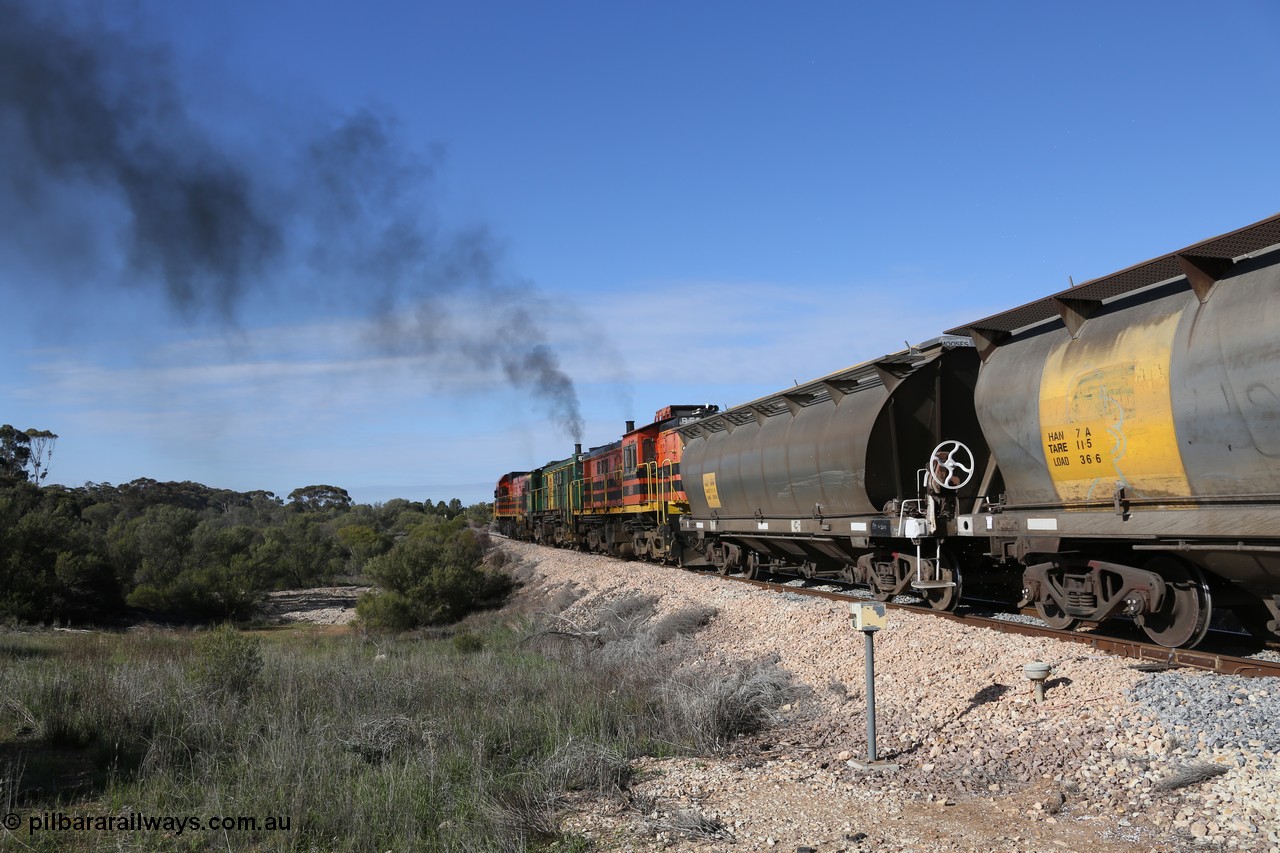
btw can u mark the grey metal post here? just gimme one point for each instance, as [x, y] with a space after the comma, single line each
[868, 618]
[869, 633]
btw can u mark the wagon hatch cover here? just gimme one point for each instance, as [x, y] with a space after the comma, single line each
[887, 371]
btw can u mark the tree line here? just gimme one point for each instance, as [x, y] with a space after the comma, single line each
[185, 551]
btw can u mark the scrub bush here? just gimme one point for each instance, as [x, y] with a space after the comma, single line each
[227, 661]
[432, 576]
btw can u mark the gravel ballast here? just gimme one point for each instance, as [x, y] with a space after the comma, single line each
[1114, 759]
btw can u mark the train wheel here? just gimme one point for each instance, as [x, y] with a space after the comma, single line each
[1183, 619]
[1053, 616]
[945, 597]
[752, 569]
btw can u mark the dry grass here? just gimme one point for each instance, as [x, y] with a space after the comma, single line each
[410, 742]
[1190, 774]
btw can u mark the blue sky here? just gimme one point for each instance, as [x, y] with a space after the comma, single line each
[677, 202]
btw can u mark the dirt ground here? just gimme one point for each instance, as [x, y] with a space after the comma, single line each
[794, 787]
[330, 605]
[981, 765]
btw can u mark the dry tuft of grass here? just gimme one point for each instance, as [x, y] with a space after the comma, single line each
[688, 823]
[1190, 774]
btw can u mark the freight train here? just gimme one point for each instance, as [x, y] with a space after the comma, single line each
[1111, 451]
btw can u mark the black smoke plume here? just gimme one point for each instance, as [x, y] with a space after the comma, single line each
[105, 166]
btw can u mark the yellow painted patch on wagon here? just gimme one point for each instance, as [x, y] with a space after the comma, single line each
[1106, 416]
[709, 489]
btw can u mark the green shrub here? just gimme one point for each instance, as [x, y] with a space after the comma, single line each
[433, 576]
[227, 661]
[467, 642]
[386, 609]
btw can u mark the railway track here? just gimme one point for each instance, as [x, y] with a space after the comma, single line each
[1208, 659]
[1156, 655]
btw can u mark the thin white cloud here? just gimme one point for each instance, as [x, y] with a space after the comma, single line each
[279, 407]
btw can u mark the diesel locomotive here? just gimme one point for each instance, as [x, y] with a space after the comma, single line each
[621, 498]
[1111, 450]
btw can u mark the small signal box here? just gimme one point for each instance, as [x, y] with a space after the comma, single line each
[868, 616]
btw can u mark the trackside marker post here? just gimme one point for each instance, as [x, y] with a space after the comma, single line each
[869, 618]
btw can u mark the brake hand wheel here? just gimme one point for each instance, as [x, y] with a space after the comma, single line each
[951, 465]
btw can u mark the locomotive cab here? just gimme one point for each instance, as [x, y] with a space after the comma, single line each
[633, 492]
